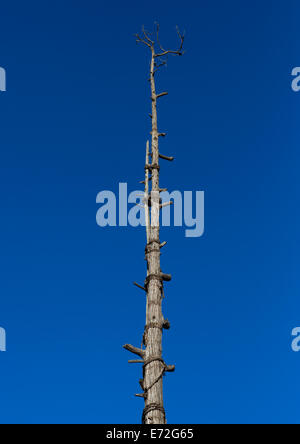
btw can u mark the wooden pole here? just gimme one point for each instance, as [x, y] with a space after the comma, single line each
[154, 366]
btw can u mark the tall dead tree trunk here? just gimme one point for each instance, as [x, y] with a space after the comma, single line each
[154, 366]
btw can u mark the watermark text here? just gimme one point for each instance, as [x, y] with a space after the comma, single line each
[296, 340]
[296, 79]
[2, 340]
[2, 79]
[186, 209]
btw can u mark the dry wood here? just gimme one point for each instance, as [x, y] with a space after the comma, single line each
[135, 350]
[154, 365]
[170, 159]
[139, 286]
[162, 94]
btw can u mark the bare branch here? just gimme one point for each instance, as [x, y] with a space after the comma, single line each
[166, 204]
[146, 40]
[147, 36]
[179, 51]
[142, 395]
[166, 277]
[181, 37]
[139, 286]
[162, 95]
[170, 368]
[170, 159]
[134, 350]
[140, 40]
[159, 64]
[157, 38]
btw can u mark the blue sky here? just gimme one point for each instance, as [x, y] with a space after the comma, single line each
[73, 123]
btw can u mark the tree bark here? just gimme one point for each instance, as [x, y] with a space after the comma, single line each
[154, 366]
[154, 321]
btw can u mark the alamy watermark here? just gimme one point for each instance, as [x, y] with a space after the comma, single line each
[2, 79]
[296, 340]
[296, 88]
[2, 89]
[2, 340]
[187, 209]
[296, 79]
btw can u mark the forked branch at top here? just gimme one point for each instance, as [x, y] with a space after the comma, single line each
[146, 39]
[164, 51]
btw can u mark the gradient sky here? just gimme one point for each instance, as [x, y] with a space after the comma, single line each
[74, 122]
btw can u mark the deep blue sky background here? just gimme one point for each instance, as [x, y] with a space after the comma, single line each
[74, 122]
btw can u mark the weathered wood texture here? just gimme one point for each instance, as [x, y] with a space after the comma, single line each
[154, 366]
